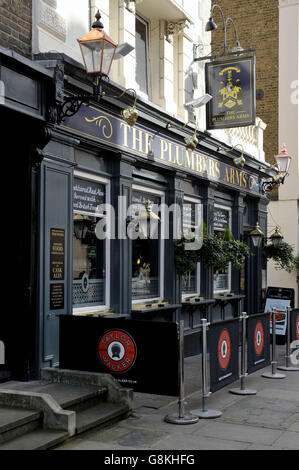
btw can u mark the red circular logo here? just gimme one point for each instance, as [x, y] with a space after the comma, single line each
[259, 338]
[224, 347]
[297, 327]
[117, 350]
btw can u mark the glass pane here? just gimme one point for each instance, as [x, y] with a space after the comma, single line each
[189, 282]
[88, 263]
[141, 45]
[221, 281]
[145, 266]
[145, 253]
[92, 52]
[107, 57]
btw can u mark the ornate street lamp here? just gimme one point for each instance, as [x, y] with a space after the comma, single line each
[276, 237]
[98, 52]
[257, 235]
[283, 160]
[97, 49]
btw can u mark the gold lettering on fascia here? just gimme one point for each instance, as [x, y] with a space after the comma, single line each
[141, 141]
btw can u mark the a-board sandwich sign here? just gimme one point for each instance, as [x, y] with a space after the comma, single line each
[258, 342]
[142, 355]
[278, 299]
[223, 341]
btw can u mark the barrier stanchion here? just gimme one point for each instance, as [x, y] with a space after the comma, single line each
[181, 418]
[288, 347]
[205, 412]
[243, 390]
[274, 374]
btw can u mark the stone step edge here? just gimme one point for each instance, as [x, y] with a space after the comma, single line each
[116, 392]
[107, 416]
[48, 439]
[18, 422]
[54, 417]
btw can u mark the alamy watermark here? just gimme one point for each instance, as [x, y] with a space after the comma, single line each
[151, 221]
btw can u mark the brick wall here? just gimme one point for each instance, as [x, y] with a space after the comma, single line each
[257, 23]
[16, 25]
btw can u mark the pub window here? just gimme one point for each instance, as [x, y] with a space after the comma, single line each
[142, 55]
[222, 221]
[147, 250]
[90, 258]
[192, 219]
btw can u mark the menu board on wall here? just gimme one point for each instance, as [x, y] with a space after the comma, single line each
[220, 218]
[88, 195]
[57, 254]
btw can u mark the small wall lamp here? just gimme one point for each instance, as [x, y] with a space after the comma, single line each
[191, 142]
[238, 161]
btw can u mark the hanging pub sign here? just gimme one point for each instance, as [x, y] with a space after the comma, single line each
[231, 83]
[258, 342]
[295, 324]
[139, 354]
[224, 353]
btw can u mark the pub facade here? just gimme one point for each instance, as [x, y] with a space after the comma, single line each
[94, 173]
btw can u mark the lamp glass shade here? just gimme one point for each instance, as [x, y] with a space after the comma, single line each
[211, 25]
[257, 235]
[98, 52]
[283, 162]
[276, 237]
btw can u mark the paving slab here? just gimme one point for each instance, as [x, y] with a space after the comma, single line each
[239, 433]
[288, 440]
[198, 443]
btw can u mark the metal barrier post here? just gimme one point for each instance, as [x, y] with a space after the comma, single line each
[204, 412]
[181, 418]
[274, 374]
[288, 347]
[243, 390]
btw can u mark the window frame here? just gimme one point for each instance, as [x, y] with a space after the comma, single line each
[98, 179]
[146, 22]
[197, 293]
[228, 290]
[161, 194]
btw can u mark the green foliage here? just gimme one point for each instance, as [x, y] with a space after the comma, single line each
[215, 252]
[282, 255]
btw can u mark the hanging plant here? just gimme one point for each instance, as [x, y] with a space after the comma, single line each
[215, 252]
[282, 255]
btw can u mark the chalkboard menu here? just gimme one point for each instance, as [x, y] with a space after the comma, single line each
[221, 218]
[88, 195]
[57, 254]
[139, 200]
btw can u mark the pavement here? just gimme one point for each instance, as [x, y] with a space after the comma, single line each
[268, 420]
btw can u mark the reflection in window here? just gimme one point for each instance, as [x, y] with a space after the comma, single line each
[88, 263]
[221, 276]
[89, 253]
[145, 253]
[191, 221]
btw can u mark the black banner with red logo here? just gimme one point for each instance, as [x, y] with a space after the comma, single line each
[295, 324]
[258, 342]
[142, 355]
[223, 340]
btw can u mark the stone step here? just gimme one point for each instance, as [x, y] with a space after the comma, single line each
[99, 415]
[16, 421]
[39, 439]
[66, 395]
